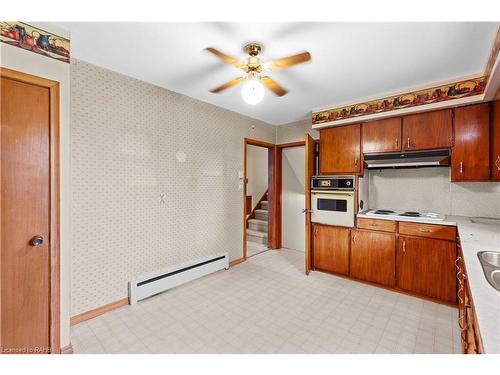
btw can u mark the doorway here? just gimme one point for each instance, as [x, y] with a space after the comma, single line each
[259, 213]
[29, 206]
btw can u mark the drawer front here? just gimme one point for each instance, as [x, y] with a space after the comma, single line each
[441, 232]
[376, 224]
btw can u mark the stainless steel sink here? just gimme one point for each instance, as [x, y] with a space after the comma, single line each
[490, 261]
[490, 257]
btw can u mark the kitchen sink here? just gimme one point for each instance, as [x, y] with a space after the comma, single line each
[490, 261]
[495, 275]
[490, 257]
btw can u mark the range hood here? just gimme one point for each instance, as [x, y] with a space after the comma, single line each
[410, 159]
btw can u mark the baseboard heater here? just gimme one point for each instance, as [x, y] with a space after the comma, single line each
[149, 285]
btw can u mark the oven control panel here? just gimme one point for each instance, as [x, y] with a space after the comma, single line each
[333, 183]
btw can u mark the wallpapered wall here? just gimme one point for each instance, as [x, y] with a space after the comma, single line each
[295, 131]
[154, 181]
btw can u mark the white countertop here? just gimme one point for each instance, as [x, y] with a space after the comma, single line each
[475, 237]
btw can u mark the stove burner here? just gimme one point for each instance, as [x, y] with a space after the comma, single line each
[410, 214]
[383, 212]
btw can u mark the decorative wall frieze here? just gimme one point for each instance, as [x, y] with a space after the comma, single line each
[34, 39]
[455, 90]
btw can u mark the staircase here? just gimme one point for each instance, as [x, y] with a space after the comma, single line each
[257, 225]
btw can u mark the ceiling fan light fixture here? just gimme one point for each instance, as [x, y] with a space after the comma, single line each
[252, 91]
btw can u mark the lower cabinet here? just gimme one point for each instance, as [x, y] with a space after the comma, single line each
[373, 256]
[426, 266]
[469, 330]
[330, 246]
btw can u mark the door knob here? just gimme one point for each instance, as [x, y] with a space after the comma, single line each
[36, 240]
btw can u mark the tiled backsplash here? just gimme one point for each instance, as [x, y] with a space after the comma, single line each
[154, 181]
[430, 189]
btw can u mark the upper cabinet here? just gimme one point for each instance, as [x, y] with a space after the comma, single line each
[495, 142]
[470, 157]
[426, 131]
[382, 135]
[340, 150]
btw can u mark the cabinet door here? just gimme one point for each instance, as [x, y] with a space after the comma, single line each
[470, 157]
[430, 130]
[495, 142]
[331, 248]
[340, 150]
[373, 256]
[427, 266]
[382, 136]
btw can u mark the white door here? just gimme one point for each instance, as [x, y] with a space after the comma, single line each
[293, 198]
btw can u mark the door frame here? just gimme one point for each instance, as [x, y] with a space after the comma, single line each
[54, 214]
[271, 161]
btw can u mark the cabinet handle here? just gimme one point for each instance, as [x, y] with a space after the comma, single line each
[424, 230]
[408, 143]
[353, 238]
[497, 163]
[461, 167]
[404, 246]
[356, 162]
[374, 224]
[397, 144]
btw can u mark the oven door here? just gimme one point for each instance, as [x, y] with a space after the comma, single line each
[333, 208]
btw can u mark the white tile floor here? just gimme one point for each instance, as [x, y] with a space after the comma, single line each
[267, 305]
[254, 248]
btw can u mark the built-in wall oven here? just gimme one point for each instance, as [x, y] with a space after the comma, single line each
[332, 200]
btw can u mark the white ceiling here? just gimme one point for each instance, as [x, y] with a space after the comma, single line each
[350, 61]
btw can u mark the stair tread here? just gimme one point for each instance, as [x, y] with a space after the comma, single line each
[261, 210]
[258, 221]
[256, 233]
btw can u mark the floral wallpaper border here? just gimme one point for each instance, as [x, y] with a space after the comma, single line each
[435, 94]
[34, 39]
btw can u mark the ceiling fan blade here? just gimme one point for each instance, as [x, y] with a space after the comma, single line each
[225, 58]
[272, 85]
[289, 61]
[227, 85]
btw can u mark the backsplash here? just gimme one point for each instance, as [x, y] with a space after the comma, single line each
[430, 189]
[154, 178]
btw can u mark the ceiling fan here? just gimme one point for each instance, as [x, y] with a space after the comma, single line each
[256, 69]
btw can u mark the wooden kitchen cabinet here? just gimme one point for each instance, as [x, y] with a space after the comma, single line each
[470, 156]
[426, 266]
[382, 135]
[427, 131]
[467, 321]
[340, 150]
[331, 248]
[495, 141]
[373, 256]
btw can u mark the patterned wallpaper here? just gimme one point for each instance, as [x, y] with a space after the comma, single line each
[295, 131]
[154, 181]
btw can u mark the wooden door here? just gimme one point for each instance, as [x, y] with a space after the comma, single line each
[470, 157]
[309, 172]
[340, 150]
[25, 213]
[373, 256]
[382, 135]
[331, 248]
[427, 266]
[429, 130]
[495, 142]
